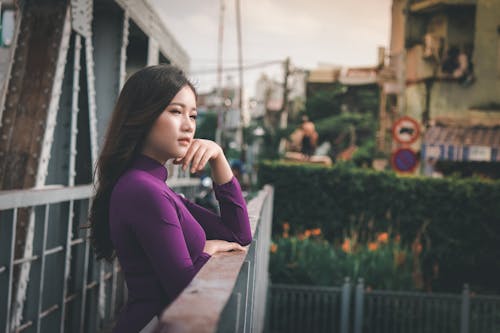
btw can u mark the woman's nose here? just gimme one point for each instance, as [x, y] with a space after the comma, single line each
[188, 124]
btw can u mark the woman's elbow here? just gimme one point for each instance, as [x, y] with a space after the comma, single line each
[245, 240]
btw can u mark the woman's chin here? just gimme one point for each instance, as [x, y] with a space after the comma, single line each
[180, 153]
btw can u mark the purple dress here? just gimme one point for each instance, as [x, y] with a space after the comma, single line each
[159, 236]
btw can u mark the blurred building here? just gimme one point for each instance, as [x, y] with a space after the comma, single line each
[356, 82]
[443, 69]
[226, 104]
[268, 100]
[322, 77]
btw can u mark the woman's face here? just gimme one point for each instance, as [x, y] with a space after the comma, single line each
[173, 131]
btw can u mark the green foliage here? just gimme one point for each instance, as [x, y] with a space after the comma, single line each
[338, 129]
[331, 127]
[314, 261]
[325, 103]
[206, 127]
[363, 156]
[355, 125]
[368, 100]
[458, 220]
[271, 142]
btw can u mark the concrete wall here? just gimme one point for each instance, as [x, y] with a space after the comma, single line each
[450, 97]
[486, 54]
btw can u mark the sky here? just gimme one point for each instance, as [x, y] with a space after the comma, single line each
[340, 32]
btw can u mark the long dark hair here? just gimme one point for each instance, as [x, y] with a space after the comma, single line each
[142, 99]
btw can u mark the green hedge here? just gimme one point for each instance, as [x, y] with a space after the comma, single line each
[458, 220]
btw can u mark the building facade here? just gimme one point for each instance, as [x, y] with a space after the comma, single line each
[443, 70]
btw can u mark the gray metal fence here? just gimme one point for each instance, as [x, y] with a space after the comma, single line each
[67, 290]
[299, 308]
[245, 310]
[294, 308]
[64, 282]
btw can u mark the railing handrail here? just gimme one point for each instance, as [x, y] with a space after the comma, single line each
[50, 194]
[11, 199]
[199, 307]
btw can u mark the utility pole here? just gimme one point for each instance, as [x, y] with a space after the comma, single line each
[220, 101]
[284, 105]
[240, 70]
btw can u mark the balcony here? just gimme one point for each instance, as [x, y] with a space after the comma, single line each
[229, 293]
[56, 285]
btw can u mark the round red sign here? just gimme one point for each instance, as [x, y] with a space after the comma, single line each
[406, 130]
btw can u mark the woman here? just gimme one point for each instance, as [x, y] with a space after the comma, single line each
[161, 239]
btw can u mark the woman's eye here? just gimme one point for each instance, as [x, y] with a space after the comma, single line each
[179, 112]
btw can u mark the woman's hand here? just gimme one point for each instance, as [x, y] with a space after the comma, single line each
[217, 245]
[200, 151]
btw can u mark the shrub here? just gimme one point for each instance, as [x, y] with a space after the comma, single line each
[456, 220]
[307, 258]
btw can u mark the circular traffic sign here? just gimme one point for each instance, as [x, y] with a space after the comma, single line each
[405, 130]
[404, 160]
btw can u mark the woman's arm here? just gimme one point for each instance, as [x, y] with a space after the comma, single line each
[234, 223]
[220, 168]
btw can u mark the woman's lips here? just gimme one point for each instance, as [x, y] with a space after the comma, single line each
[184, 141]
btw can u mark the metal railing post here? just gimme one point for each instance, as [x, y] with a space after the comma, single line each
[464, 318]
[233, 310]
[358, 307]
[8, 256]
[345, 306]
[252, 255]
[42, 269]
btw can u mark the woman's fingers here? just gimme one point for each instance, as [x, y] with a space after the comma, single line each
[189, 154]
[199, 153]
[225, 246]
[203, 160]
[195, 165]
[237, 246]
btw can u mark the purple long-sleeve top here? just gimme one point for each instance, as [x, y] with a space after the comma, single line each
[159, 236]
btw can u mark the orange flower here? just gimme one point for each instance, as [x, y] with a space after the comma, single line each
[372, 246]
[285, 234]
[383, 237]
[301, 236]
[274, 248]
[316, 232]
[286, 226]
[307, 233]
[346, 246]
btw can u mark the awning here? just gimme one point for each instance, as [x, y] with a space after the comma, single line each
[462, 144]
